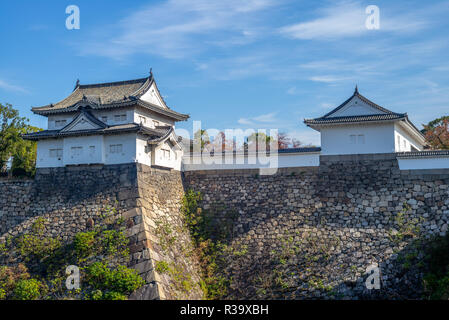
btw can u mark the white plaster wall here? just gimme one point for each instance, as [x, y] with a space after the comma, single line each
[128, 154]
[150, 116]
[282, 160]
[403, 135]
[379, 138]
[143, 153]
[86, 156]
[52, 118]
[110, 114]
[423, 163]
[43, 159]
[152, 96]
[175, 156]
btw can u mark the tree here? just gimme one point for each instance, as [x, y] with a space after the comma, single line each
[437, 133]
[202, 137]
[283, 140]
[11, 142]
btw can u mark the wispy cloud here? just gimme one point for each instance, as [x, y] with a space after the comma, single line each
[347, 19]
[263, 119]
[178, 28]
[11, 87]
[327, 79]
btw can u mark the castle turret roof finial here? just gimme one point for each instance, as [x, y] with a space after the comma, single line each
[151, 72]
[356, 90]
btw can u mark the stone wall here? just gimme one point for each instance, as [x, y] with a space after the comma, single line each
[312, 232]
[72, 198]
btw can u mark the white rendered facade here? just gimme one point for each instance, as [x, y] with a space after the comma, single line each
[136, 128]
[359, 126]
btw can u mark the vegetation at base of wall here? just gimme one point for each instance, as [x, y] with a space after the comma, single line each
[436, 280]
[100, 254]
[210, 243]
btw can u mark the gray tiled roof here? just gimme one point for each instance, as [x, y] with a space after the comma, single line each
[418, 154]
[296, 150]
[102, 93]
[109, 95]
[371, 117]
[384, 114]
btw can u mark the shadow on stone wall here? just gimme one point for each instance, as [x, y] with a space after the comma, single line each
[311, 233]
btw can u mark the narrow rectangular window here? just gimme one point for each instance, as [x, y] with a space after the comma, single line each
[361, 139]
[104, 119]
[77, 151]
[115, 148]
[120, 117]
[60, 123]
[352, 138]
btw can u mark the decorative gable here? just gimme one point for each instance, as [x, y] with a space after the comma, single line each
[356, 107]
[153, 96]
[84, 121]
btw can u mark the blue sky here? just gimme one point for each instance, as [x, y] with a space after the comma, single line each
[233, 64]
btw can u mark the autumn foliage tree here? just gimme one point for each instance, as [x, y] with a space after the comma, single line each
[437, 133]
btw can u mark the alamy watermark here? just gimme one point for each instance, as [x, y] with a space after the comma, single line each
[73, 280]
[73, 20]
[251, 148]
[372, 22]
[373, 280]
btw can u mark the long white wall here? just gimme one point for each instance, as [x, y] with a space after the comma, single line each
[239, 161]
[423, 163]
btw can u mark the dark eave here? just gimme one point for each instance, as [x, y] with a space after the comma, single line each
[126, 103]
[352, 119]
[130, 127]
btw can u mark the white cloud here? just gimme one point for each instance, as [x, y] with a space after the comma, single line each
[347, 19]
[10, 87]
[260, 120]
[266, 118]
[245, 121]
[327, 79]
[171, 29]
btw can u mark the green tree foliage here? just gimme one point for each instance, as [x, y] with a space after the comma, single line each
[437, 133]
[101, 255]
[12, 126]
[200, 138]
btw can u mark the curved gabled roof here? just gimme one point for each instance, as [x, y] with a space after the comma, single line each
[101, 93]
[383, 115]
[110, 95]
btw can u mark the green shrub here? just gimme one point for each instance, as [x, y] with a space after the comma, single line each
[162, 267]
[2, 294]
[96, 295]
[122, 279]
[35, 245]
[28, 290]
[84, 243]
[114, 241]
[115, 296]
